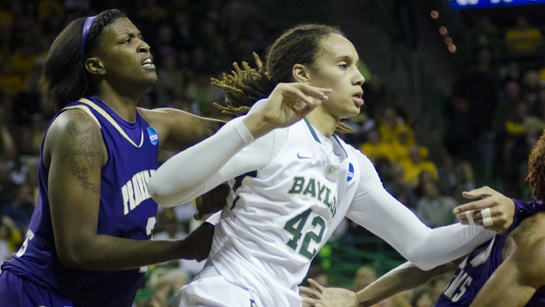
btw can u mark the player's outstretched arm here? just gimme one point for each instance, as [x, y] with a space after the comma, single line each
[197, 170]
[404, 277]
[523, 269]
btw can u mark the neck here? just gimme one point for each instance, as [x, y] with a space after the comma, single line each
[323, 122]
[124, 105]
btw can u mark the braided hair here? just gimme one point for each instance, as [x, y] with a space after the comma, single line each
[299, 45]
[536, 170]
[64, 74]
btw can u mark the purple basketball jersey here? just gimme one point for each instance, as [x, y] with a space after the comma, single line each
[126, 211]
[475, 270]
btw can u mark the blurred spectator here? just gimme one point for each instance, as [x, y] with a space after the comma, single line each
[455, 176]
[6, 14]
[163, 44]
[202, 95]
[438, 285]
[364, 276]
[423, 178]
[183, 31]
[10, 81]
[512, 148]
[169, 78]
[27, 103]
[390, 123]
[530, 89]
[10, 237]
[474, 95]
[22, 59]
[459, 139]
[21, 207]
[435, 208]
[540, 104]
[508, 104]
[50, 12]
[374, 148]
[8, 188]
[400, 147]
[165, 284]
[401, 299]
[486, 33]
[8, 147]
[415, 164]
[511, 71]
[422, 297]
[523, 38]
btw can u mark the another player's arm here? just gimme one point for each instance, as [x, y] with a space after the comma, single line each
[523, 270]
[75, 153]
[404, 277]
[178, 129]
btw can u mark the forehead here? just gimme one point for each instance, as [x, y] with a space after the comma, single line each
[119, 27]
[337, 46]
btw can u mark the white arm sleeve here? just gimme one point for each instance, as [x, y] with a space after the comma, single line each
[379, 212]
[228, 153]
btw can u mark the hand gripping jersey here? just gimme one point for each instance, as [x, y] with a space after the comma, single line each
[477, 268]
[126, 210]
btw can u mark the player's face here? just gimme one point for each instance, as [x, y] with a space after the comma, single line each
[126, 56]
[337, 69]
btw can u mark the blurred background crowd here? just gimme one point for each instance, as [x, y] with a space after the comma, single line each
[452, 101]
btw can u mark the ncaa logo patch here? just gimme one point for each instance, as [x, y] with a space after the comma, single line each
[153, 137]
[252, 303]
[350, 172]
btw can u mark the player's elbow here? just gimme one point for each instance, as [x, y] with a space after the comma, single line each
[420, 259]
[71, 258]
[424, 266]
[159, 195]
[169, 195]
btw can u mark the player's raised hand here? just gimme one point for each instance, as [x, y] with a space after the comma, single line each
[490, 209]
[287, 104]
[320, 296]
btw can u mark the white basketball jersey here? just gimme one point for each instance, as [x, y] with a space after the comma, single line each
[278, 217]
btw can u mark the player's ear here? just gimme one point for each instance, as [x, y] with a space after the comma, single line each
[94, 66]
[301, 73]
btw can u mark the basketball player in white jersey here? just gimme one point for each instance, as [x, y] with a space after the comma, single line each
[292, 181]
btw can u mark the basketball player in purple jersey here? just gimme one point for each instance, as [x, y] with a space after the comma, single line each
[507, 271]
[89, 238]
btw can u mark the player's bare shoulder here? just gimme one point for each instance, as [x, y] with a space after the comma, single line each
[531, 229]
[528, 247]
[75, 132]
